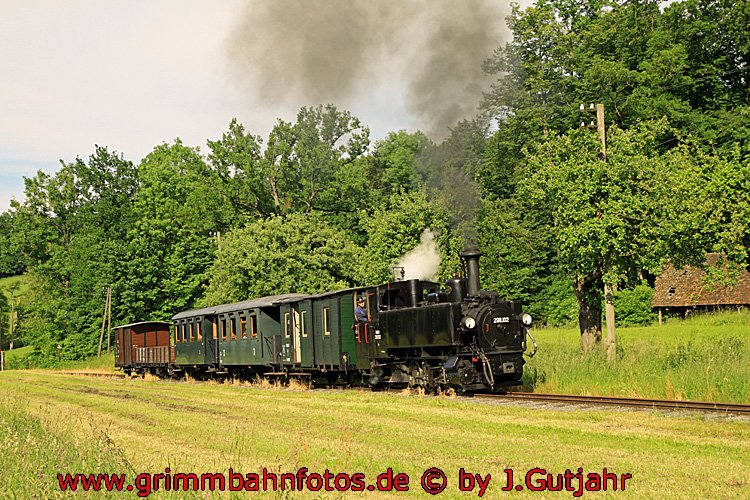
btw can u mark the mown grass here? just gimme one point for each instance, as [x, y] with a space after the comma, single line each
[75, 424]
[705, 357]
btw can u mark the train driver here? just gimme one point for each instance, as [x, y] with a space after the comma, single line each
[360, 312]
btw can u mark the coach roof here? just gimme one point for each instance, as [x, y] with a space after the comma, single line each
[269, 301]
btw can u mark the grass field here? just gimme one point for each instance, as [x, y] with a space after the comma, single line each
[705, 357]
[19, 285]
[52, 423]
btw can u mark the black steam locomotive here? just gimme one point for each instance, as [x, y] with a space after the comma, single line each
[411, 333]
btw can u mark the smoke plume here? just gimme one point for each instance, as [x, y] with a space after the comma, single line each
[423, 261]
[321, 51]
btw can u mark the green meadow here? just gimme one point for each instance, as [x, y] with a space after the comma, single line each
[52, 423]
[705, 357]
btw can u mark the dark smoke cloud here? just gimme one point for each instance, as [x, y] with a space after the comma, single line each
[321, 51]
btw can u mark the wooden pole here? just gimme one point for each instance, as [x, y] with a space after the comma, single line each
[109, 315]
[660, 319]
[609, 314]
[12, 315]
[609, 288]
[104, 322]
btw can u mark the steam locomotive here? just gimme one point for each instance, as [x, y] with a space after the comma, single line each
[414, 334]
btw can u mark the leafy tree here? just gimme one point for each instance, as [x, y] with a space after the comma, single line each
[396, 161]
[518, 259]
[609, 219]
[178, 211]
[282, 254]
[12, 259]
[634, 306]
[236, 159]
[396, 228]
[79, 216]
[449, 173]
[4, 319]
[301, 164]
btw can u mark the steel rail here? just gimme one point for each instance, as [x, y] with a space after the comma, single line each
[665, 404]
[92, 374]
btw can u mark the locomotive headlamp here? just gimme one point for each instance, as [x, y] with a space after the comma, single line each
[469, 322]
[526, 319]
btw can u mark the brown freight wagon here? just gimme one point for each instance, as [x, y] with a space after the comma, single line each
[143, 347]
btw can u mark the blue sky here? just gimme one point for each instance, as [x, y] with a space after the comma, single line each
[130, 75]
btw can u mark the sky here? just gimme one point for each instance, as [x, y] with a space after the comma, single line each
[132, 74]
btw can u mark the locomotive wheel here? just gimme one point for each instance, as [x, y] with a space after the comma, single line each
[417, 378]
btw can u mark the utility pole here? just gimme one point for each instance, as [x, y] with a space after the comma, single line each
[104, 322]
[109, 315]
[12, 315]
[609, 288]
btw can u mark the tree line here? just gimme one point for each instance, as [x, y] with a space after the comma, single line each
[316, 205]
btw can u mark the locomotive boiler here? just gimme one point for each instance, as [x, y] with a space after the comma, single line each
[460, 337]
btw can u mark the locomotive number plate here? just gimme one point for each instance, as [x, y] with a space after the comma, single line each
[501, 319]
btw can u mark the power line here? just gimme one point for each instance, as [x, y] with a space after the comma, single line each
[717, 75]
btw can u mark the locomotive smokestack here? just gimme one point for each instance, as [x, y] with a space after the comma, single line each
[471, 256]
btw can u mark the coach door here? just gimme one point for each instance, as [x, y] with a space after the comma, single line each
[306, 334]
[210, 327]
[296, 334]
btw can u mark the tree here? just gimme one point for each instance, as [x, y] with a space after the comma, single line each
[395, 164]
[171, 245]
[519, 256]
[449, 173]
[612, 219]
[396, 228]
[75, 221]
[282, 254]
[12, 259]
[4, 318]
[301, 164]
[236, 159]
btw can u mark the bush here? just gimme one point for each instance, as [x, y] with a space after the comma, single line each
[558, 305]
[633, 306]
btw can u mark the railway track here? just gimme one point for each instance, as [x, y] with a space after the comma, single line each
[93, 374]
[660, 404]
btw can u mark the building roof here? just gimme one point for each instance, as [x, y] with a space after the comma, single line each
[688, 287]
[155, 323]
[241, 306]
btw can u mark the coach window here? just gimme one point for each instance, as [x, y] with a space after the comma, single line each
[182, 331]
[287, 325]
[192, 333]
[253, 326]
[223, 327]
[233, 327]
[199, 334]
[326, 321]
[243, 326]
[176, 333]
[302, 321]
